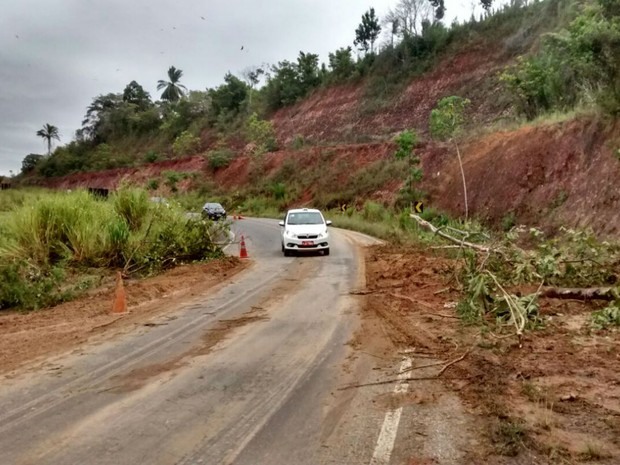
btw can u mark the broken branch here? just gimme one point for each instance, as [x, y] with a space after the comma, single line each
[446, 236]
[395, 380]
[592, 293]
[456, 360]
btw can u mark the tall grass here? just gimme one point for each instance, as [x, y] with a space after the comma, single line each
[58, 233]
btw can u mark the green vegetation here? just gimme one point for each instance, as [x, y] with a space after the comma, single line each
[52, 242]
[368, 32]
[219, 158]
[570, 259]
[446, 122]
[127, 128]
[608, 316]
[48, 133]
[577, 65]
[262, 133]
[406, 143]
[173, 90]
[186, 144]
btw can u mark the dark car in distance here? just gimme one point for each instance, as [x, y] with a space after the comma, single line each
[214, 211]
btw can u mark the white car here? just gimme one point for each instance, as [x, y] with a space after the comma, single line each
[304, 230]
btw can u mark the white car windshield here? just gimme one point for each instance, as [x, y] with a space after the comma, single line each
[305, 218]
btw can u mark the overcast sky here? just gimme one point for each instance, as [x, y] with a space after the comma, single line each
[56, 55]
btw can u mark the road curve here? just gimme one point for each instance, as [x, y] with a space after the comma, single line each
[242, 376]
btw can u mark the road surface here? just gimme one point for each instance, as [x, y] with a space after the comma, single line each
[248, 375]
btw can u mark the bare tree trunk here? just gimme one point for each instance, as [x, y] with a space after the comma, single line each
[439, 232]
[592, 293]
[458, 154]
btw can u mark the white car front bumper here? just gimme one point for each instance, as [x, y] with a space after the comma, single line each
[302, 244]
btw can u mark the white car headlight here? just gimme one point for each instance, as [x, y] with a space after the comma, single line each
[289, 234]
[323, 235]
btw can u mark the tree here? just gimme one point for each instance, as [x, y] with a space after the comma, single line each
[227, 99]
[341, 64]
[406, 142]
[292, 81]
[308, 71]
[49, 132]
[440, 8]
[135, 93]
[96, 116]
[486, 4]
[407, 18]
[173, 89]
[446, 122]
[252, 76]
[262, 133]
[368, 31]
[394, 27]
[30, 162]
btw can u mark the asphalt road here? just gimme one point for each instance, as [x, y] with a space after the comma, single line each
[246, 376]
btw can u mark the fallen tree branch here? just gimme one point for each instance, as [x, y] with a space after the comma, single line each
[395, 380]
[108, 323]
[362, 292]
[456, 360]
[448, 237]
[423, 366]
[591, 293]
[422, 303]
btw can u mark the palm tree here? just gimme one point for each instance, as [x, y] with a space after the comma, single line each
[48, 133]
[173, 90]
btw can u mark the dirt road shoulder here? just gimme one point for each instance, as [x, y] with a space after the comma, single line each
[28, 338]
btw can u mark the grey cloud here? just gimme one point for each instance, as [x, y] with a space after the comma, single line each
[69, 51]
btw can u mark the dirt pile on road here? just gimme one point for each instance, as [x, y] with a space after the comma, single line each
[556, 399]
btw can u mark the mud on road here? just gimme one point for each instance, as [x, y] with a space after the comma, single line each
[26, 337]
[554, 400]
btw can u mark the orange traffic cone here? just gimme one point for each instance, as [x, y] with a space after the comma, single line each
[244, 252]
[120, 299]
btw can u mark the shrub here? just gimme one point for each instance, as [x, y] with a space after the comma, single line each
[220, 158]
[262, 133]
[373, 212]
[132, 205]
[42, 242]
[298, 142]
[278, 190]
[153, 184]
[151, 156]
[186, 144]
[172, 178]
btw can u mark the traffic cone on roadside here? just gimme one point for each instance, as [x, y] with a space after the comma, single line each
[120, 299]
[243, 252]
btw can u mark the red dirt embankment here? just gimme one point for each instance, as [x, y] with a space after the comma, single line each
[562, 174]
[338, 113]
[550, 175]
[110, 179]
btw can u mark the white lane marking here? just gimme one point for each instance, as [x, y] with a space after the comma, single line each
[387, 437]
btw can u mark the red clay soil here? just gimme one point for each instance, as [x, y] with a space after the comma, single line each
[552, 175]
[336, 113]
[110, 179]
[25, 337]
[549, 175]
[345, 159]
[555, 399]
